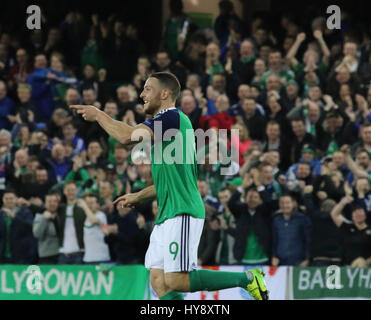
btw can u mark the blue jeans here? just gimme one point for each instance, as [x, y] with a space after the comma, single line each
[72, 258]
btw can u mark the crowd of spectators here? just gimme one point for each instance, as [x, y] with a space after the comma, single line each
[299, 95]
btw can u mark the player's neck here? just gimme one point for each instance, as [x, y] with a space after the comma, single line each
[164, 106]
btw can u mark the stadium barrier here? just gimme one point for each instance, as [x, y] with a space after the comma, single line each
[109, 282]
[72, 282]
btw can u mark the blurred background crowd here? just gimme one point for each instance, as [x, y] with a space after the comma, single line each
[299, 94]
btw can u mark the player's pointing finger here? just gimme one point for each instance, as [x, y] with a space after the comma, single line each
[76, 106]
[122, 198]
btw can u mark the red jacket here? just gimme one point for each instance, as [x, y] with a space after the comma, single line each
[218, 120]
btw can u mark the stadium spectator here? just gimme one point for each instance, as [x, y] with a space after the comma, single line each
[7, 107]
[253, 119]
[244, 66]
[96, 250]
[356, 234]
[44, 83]
[45, 228]
[122, 234]
[292, 233]
[59, 163]
[17, 243]
[211, 203]
[21, 70]
[70, 134]
[210, 238]
[326, 240]
[106, 190]
[38, 187]
[94, 154]
[163, 63]
[70, 219]
[189, 107]
[253, 228]
[224, 251]
[299, 139]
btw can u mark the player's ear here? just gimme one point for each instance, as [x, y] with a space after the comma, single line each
[165, 94]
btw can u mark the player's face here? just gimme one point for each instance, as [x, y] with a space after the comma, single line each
[151, 96]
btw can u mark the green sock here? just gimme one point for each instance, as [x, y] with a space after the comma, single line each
[172, 295]
[209, 280]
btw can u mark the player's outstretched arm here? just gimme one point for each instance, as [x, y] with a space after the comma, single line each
[132, 199]
[119, 130]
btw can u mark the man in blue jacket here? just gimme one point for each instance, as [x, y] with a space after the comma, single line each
[291, 235]
[6, 107]
[44, 85]
[17, 243]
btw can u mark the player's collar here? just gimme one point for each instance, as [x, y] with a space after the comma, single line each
[163, 111]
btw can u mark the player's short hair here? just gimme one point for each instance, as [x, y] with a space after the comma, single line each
[169, 81]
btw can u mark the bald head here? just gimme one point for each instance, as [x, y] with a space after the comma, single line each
[188, 104]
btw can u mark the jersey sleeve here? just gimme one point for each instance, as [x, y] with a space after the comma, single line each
[166, 120]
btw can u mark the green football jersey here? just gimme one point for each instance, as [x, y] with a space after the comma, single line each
[174, 165]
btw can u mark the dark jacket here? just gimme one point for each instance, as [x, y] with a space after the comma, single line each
[296, 146]
[78, 218]
[259, 223]
[256, 126]
[208, 244]
[326, 235]
[291, 238]
[128, 242]
[23, 245]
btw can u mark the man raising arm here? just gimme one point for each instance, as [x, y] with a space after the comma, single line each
[119, 130]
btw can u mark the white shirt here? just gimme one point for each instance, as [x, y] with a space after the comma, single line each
[95, 247]
[70, 244]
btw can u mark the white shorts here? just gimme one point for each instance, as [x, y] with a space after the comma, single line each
[174, 243]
